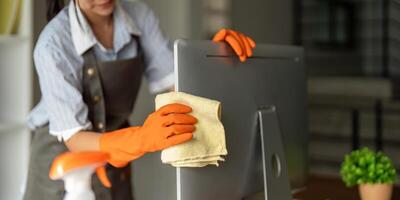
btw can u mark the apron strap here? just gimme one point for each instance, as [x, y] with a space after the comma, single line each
[93, 92]
[92, 88]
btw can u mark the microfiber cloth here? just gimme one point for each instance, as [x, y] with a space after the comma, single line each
[208, 143]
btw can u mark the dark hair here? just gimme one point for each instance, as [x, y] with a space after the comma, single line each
[54, 7]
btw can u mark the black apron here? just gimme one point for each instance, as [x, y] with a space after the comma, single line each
[109, 90]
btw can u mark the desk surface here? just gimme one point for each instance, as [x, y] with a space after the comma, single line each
[332, 188]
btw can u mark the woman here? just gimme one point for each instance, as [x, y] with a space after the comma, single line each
[90, 59]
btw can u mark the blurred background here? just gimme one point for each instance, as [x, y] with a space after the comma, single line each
[352, 51]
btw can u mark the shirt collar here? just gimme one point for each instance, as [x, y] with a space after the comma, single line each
[83, 37]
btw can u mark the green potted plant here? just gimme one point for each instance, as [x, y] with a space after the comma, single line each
[372, 172]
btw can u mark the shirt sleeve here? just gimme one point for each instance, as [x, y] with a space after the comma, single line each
[61, 92]
[158, 52]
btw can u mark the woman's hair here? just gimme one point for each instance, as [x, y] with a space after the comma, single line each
[54, 7]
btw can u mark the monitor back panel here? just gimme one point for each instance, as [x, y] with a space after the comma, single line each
[274, 76]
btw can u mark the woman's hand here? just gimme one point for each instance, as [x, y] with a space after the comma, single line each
[241, 44]
[168, 126]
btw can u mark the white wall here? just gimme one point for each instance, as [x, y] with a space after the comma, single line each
[173, 16]
[15, 103]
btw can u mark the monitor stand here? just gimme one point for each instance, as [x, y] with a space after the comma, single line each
[276, 179]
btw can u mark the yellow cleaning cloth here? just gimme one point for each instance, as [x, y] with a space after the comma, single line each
[208, 143]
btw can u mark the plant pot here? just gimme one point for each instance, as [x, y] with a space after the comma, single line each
[375, 191]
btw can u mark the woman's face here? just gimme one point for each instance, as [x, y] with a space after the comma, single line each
[98, 7]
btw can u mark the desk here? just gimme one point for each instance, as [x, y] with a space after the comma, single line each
[332, 188]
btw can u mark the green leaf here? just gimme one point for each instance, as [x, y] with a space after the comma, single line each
[366, 166]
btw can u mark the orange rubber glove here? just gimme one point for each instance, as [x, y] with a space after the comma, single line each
[241, 44]
[168, 126]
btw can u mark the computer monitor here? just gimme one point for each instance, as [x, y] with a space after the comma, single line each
[273, 77]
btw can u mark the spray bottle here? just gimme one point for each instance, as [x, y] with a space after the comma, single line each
[76, 169]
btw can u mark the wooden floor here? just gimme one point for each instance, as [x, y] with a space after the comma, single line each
[332, 188]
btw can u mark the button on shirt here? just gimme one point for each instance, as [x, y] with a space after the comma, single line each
[59, 62]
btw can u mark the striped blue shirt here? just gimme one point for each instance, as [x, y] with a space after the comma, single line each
[59, 62]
